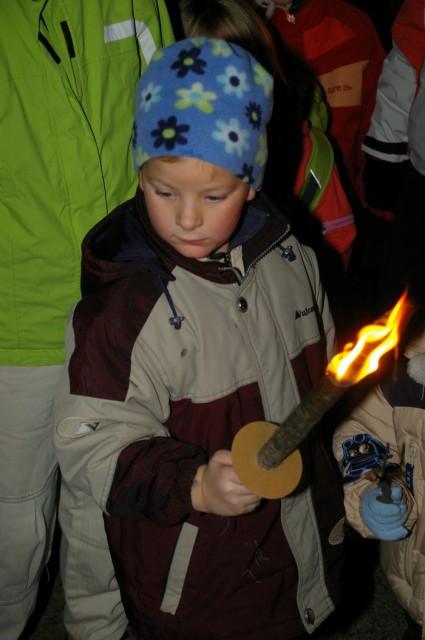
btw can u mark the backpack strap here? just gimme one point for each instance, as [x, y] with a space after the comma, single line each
[318, 169]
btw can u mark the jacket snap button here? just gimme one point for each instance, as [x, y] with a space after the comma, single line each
[309, 616]
[242, 305]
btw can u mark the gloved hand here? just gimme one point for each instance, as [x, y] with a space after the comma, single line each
[385, 520]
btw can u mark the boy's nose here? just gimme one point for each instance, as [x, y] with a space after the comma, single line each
[189, 217]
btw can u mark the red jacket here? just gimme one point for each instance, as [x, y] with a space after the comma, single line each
[409, 34]
[344, 50]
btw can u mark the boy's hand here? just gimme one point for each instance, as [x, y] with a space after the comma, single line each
[217, 489]
[385, 520]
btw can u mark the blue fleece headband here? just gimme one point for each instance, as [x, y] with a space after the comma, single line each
[205, 98]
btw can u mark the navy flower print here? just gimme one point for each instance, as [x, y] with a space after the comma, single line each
[189, 60]
[169, 133]
[254, 114]
[247, 175]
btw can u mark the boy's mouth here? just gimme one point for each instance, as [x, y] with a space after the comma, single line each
[192, 242]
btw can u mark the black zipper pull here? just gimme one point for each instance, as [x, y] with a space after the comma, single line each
[287, 253]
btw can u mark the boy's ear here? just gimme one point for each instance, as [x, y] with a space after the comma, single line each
[140, 179]
[251, 194]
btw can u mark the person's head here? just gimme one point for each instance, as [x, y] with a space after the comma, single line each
[192, 204]
[200, 142]
[245, 23]
[236, 22]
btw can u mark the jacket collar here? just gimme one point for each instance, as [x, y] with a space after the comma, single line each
[125, 242]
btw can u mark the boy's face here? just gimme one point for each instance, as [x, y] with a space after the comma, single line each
[193, 205]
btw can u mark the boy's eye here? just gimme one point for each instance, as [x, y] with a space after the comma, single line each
[163, 194]
[215, 198]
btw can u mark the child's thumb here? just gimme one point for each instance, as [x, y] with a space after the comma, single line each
[222, 456]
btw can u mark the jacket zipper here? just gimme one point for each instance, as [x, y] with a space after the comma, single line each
[260, 256]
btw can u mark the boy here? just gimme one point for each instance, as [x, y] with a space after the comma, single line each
[391, 415]
[201, 313]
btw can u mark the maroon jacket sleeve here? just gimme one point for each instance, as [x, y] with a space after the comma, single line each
[155, 477]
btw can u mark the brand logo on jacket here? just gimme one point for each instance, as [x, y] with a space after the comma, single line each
[87, 427]
[304, 312]
[344, 85]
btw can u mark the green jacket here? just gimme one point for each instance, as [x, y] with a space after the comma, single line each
[68, 71]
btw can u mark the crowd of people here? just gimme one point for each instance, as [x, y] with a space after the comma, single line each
[202, 201]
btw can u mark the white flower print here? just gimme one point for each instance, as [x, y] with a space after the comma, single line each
[234, 82]
[235, 138]
[149, 96]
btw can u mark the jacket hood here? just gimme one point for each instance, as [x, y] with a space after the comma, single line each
[125, 242]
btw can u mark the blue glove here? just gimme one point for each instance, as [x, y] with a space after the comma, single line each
[385, 520]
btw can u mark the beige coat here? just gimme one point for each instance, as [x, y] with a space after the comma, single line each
[394, 413]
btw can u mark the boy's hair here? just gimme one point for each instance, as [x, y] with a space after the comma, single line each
[209, 99]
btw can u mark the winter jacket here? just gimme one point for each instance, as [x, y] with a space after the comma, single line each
[393, 413]
[344, 50]
[68, 72]
[396, 131]
[172, 357]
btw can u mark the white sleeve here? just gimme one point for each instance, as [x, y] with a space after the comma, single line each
[387, 136]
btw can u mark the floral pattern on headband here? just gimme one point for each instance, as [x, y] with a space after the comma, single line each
[196, 96]
[189, 60]
[169, 133]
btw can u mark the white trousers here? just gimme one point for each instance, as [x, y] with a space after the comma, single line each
[28, 489]
[28, 500]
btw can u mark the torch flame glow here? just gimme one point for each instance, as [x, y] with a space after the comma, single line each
[357, 361]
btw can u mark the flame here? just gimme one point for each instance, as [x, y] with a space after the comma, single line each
[357, 361]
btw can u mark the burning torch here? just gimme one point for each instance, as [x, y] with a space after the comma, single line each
[265, 456]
